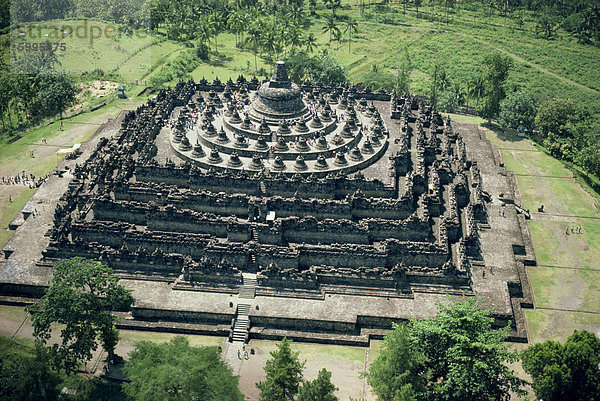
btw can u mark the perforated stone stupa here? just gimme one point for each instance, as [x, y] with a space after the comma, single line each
[278, 99]
[280, 129]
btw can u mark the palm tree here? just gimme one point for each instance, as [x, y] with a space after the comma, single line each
[351, 26]
[330, 26]
[333, 4]
[294, 36]
[441, 79]
[337, 37]
[216, 26]
[459, 93]
[477, 88]
[310, 41]
[254, 34]
[296, 14]
[417, 4]
[235, 23]
[203, 31]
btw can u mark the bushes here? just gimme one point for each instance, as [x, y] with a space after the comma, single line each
[518, 110]
[176, 70]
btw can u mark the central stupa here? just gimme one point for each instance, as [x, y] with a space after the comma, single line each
[278, 99]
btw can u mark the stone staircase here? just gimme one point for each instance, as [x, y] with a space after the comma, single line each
[242, 323]
[249, 284]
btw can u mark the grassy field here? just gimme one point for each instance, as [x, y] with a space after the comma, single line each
[91, 45]
[307, 350]
[131, 337]
[15, 158]
[565, 282]
[560, 67]
[548, 68]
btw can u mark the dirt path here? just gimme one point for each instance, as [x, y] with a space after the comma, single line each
[522, 60]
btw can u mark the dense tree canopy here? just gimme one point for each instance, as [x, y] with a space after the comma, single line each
[26, 373]
[464, 356]
[397, 372]
[454, 356]
[81, 296]
[569, 371]
[178, 371]
[320, 389]
[284, 374]
[495, 75]
[517, 110]
[554, 117]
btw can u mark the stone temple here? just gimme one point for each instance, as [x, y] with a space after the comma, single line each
[263, 210]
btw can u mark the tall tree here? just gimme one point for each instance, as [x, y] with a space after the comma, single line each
[320, 389]
[351, 27]
[310, 42]
[330, 26]
[417, 4]
[518, 110]
[284, 374]
[177, 371]
[81, 297]
[465, 357]
[254, 35]
[404, 70]
[495, 75]
[396, 373]
[554, 118]
[26, 373]
[565, 372]
[477, 88]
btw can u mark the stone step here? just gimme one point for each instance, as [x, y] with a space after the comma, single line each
[247, 293]
[243, 309]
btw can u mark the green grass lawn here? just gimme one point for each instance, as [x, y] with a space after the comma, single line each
[132, 57]
[557, 325]
[8, 210]
[558, 287]
[311, 351]
[565, 288]
[15, 156]
[133, 336]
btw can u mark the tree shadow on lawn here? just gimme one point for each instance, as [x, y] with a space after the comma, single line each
[504, 134]
[220, 60]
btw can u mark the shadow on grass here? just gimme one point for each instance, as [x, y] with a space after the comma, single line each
[219, 60]
[509, 135]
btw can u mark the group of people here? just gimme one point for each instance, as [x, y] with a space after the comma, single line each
[20, 178]
[574, 230]
[244, 353]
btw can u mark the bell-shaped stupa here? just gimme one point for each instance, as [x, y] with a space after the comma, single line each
[278, 99]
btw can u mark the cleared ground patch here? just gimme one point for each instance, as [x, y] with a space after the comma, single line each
[344, 362]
